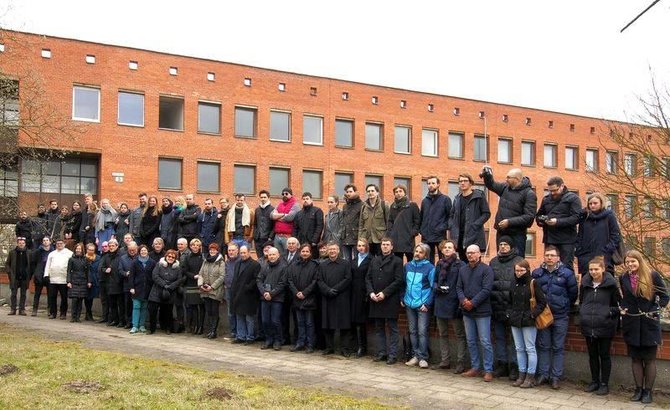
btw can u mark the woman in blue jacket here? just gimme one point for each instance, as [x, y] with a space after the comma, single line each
[419, 278]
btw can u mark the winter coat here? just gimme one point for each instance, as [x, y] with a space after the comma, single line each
[385, 274]
[58, 228]
[187, 222]
[301, 277]
[56, 267]
[38, 227]
[94, 290]
[372, 224]
[141, 278]
[112, 280]
[519, 313]
[403, 225]
[333, 226]
[221, 227]
[559, 286]
[24, 229]
[39, 256]
[190, 267]
[150, 227]
[599, 306]
[207, 226]
[446, 301]
[272, 278]
[476, 283]
[244, 290]
[125, 270]
[166, 280]
[477, 212]
[334, 280]
[72, 225]
[598, 235]
[168, 227]
[517, 205]
[308, 224]
[566, 209]
[122, 227]
[263, 223]
[78, 275]
[88, 221]
[503, 280]
[245, 232]
[51, 217]
[135, 220]
[11, 265]
[641, 330]
[351, 214]
[213, 274]
[359, 293]
[435, 211]
[419, 279]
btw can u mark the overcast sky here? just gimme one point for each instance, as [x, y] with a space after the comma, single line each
[565, 56]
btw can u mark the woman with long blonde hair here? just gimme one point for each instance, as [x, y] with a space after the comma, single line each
[644, 294]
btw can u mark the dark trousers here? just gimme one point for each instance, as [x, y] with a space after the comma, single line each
[165, 317]
[258, 246]
[567, 254]
[305, 324]
[286, 314]
[104, 301]
[19, 285]
[212, 313]
[76, 307]
[88, 303]
[128, 307]
[54, 291]
[272, 321]
[389, 349]
[117, 308]
[345, 339]
[38, 293]
[600, 361]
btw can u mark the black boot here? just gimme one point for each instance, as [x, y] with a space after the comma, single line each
[206, 325]
[362, 339]
[513, 371]
[637, 396]
[501, 370]
[201, 321]
[213, 329]
[646, 396]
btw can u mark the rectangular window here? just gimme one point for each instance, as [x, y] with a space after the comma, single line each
[209, 117]
[429, 139]
[648, 166]
[72, 175]
[312, 130]
[245, 122]
[280, 127]
[9, 179]
[455, 145]
[402, 140]
[480, 148]
[571, 158]
[648, 210]
[312, 182]
[208, 176]
[374, 135]
[9, 102]
[613, 203]
[342, 179]
[530, 244]
[377, 180]
[630, 206]
[279, 179]
[407, 181]
[86, 104]
[527, 153]
[611, 162]
[244, 179]
[550, 155]
[665, 209]
[169, 173]
[649, 247]
[344, 133]
[630, 164]
[171, 113]
[131, 109]
[505, 151]
[591, 160]
[665, 167]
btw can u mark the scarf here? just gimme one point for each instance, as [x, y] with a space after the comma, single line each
[105, 216]
[361, 257]
[91, 258]
[212, 259]
[400, 203]
[143, 260]
[230, 218]
[634, 277]
[262, 206]
[446, 262]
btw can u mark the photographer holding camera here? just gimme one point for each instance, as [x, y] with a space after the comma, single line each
[516, 208]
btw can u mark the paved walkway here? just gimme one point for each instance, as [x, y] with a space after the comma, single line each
[397, 384]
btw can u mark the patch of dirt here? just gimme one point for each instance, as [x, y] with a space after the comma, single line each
[219, 393]
[83, 386]
[6, 369]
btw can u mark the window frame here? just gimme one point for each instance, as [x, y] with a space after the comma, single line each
[596, 155]
[288, 114]
[533, 153]
[251, 167]
[351, 136]
[210, 104]
[380, 127]
[183, 115]
[218, 175]
[408, 130]
[315, 195]
[510, 150]
[248, 109]
[435, 140]
[554, 155]
[461, 144]
[575, 157]
[312, 117]
[275, 168]
[118, 108]
[181, 173]
[76, 87]
[476, 138]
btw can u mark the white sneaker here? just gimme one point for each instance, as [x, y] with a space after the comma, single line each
[423, 364]
[412, 362]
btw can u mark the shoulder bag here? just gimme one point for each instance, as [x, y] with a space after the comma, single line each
[544, 319]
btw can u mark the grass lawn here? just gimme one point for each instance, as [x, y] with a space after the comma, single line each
[64, 374]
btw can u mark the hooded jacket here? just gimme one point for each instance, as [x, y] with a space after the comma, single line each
[559, 286]
[599, 306]
[419, 278]
[598, 235]
[517, 205]
[351, 213]
[477, 212]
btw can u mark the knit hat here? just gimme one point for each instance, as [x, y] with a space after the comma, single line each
[289, 190]
[506, 239]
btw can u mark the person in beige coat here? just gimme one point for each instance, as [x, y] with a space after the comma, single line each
[210, 283]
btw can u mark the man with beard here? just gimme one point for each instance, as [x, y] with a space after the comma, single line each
[239, 222]
[188, 220]
[39, 226]
[168, 223]
[263, 223]
[469, 213]
[374, 215]
[283, 215]
[351, 213]
[308, 223]
[207, 223]
[403, 224]
[435, 211]
[18, 265]
[136, 215]
[24, 229]
[52, 215]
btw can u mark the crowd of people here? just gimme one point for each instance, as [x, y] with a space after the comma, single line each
[170, 265]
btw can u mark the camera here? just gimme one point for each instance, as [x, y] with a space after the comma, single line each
[543, 218]
[444, 289]
[487, 170]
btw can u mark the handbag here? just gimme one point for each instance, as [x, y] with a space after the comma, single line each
[544, 319]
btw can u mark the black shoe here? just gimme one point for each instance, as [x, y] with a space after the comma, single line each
[555, 384]
[277, 346]
[513, 372]
[63, 317]
[212, 335]
[128, 326]
[646, 396]
[391, 361]
[460, 368]
[593, 386]
[237, 341]
[327, 352]
[309, 349]
[637, 396]
[266, 346]
[113, 324]
[22, 313]
[362, 351]
[88, 317]
[151, 332]
[167, 332]
[501, 370]
[297, 348]
[73, 320]
[380, 357]
[121, 325]
[52, 316]
[345, 353]
[603, 390]
[103, 320]
[542, 379]
[11, 313]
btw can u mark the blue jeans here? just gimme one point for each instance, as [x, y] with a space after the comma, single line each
[418, 322]
[550, 344]
[232, 320]
[305, 321]
[524, 341]
[271, 312]
[500, 348]
[380, 331]
[280, 244]
[245, 327]
[139, 312]
[478, 330]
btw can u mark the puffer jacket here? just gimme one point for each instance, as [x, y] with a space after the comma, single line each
[272, 278]
[503, 280]
[475, 284]
[78, 276]
[518, 205]
[566, 210]
[166, 277]
[520, 314]
[446, 300]
[599, 306]
[559, 286]
[213, 274]
[187, 221]
[372, 224]
[302, 278]
[419, 278]
[351, 213]
[435, 211]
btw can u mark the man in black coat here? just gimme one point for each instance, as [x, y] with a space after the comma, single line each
[435, 211]
[334, 279]
[559, 216]
[516, 208]
[468, 216]
[19, 265]
[24, 229]
[308, 223]
[187, 221]
[39, 226]
[244, 296]
[263, 223]
[351, 214]
[403, 223]
[384, 283]
[271, 284]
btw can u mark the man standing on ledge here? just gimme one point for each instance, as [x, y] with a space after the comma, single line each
[435, 210]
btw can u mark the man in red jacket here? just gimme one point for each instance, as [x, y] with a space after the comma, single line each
[283, 216]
